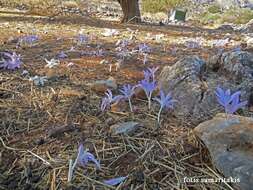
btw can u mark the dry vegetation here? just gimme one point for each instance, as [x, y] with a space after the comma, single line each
[41, 127]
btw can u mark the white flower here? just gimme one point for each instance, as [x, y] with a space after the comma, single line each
[110, 32]
[53, 62]
[38, 81]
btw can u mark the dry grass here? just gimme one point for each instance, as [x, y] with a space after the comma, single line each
[41, 127]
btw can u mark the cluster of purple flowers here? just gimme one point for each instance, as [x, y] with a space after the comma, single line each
[230, 102]
[148, 84]
[28, 40]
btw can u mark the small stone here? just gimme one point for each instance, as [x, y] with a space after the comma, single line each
[140, 93]
[109, 121]
[59, 131]
[100, 86]
[119, 106]
[40, 141]
[125, 128]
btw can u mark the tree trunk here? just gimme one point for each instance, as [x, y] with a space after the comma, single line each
[131, 11]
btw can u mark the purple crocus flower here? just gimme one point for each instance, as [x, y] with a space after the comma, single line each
[122, 43]
[10, 61]
[62, 55]
[122, 54]
[230, 102]
[127, 92]
[165, 102]
[29, 39]
[115, 181]
[83, 157]
[148, 87]
[144, 48]
[153, 71]
[108, 100]
[147, 75]
[82, 39]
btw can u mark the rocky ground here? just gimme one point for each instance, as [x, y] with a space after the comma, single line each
[44, 121]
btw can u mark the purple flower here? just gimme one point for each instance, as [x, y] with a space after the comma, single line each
[152, 72]
[108, 99]
[122, 54]
[121, 49]
[115, 181]
[148, 87]
[122, 43]
[230, 102]
[192, 44]
[165, 102]
[10, 61]
[62, 55]
[83, 157]
[127, 92]
[147, 75]
[29, 39]
[82, 39]
[144, 48]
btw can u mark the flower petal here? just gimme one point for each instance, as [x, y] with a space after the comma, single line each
[115, 181]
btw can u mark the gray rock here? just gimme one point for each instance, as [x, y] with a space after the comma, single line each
[238, 65]
[125, 128]
[230, 143]
[192, 82]
[109, 83]
[183, 81]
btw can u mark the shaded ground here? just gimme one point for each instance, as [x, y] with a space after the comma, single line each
[34, 152]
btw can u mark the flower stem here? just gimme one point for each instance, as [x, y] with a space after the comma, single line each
[159, 114]
[149, 101]
[70, 173]
[130, 104]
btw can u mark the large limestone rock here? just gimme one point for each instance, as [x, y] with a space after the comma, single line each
[230, 143]
[192, 82]
[238, 65]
